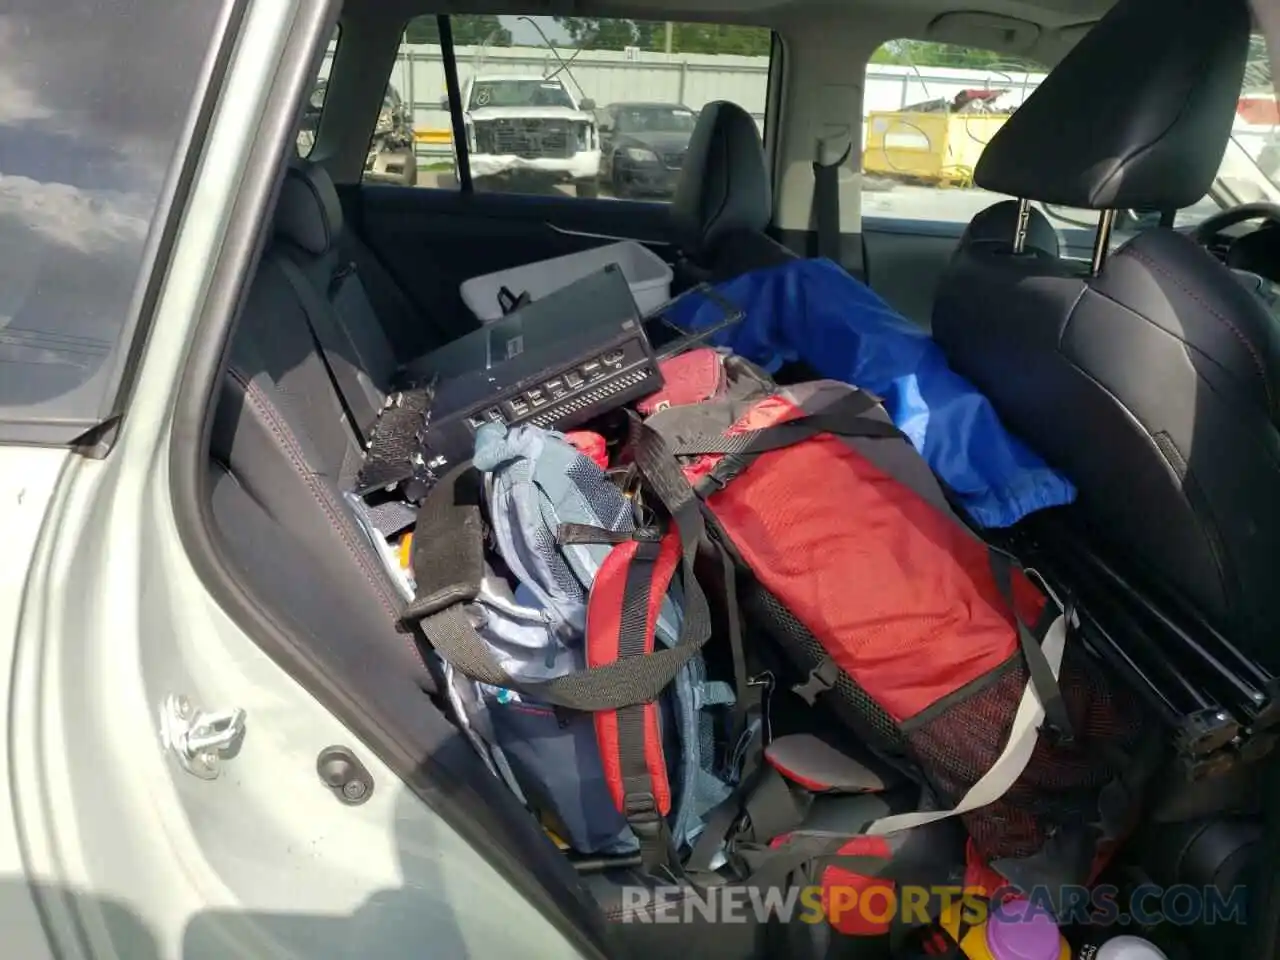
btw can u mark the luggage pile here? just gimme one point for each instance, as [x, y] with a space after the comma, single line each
[737, 634]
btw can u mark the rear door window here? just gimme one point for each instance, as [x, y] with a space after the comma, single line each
[94, 101]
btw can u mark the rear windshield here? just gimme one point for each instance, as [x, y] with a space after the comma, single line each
[94, 96]
[655, 120]
[519, 93]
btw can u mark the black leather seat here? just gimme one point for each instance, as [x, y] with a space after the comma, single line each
[1154, 383]
[724, 199]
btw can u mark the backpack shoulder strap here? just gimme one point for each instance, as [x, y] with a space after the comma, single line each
[622, 616]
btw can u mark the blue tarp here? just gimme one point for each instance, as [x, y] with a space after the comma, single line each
[812, 310]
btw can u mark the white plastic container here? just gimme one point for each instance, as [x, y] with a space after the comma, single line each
[1129, 948]
[647, 274]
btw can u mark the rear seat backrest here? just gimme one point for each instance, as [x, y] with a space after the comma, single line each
[308, 231]
[279, 428]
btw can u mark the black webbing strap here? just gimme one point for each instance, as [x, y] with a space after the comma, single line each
[826, 205]
[636, 680]
[770, 806]
[448, 563]
[569, 534]
[1041, 674]
[843, 418]
[746, 696]
[773, 807]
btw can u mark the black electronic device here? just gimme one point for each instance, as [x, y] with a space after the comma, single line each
[554, 363]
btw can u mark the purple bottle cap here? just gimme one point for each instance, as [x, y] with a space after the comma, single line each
[1018, 931]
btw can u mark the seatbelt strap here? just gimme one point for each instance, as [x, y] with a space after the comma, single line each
[321, 322]
[1008, 767]
[826, 203]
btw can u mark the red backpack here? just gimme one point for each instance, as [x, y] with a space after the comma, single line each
[938, 652]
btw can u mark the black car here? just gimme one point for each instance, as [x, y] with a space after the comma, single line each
[643, 147]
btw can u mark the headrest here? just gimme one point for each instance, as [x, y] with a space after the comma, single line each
[998, 223]
[309, 214]
[724, 185]
[1136, 116]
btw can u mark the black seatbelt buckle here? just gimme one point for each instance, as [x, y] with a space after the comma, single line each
[821, 679]
[339, 278]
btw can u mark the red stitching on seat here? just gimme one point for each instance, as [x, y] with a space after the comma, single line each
[256, 396]
[1257, 359]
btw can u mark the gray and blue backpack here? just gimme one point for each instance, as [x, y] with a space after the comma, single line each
[570, 640]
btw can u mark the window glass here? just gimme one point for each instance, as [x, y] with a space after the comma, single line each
[94, 102]
[931, 108]
[306, 140]
[575, 106]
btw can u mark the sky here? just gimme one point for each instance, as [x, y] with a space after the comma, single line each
[524, 35]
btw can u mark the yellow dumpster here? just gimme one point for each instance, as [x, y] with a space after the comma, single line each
[930, 147]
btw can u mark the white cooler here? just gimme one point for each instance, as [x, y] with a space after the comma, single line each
[646, 273]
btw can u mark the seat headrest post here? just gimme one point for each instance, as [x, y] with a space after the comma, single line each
[1102, 241]
[1021, 227]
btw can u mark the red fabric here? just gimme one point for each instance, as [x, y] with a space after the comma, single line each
[591, 445]
[795, 778]
[604, 625]
[855, 908]
[978, 875]
[604, 622]
[1261, 110]
[855, 904]
[899, 594]
[687, 378]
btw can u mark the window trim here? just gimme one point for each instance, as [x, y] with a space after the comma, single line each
[457, 115]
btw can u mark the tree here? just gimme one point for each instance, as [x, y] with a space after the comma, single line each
[469, 30]
[923, 53]
[591, 33]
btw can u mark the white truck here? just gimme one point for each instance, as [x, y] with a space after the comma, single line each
[530, 128]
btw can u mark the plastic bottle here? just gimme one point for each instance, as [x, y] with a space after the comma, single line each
[1014, 930]
[1124, 947]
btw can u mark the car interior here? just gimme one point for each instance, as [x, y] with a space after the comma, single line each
[1142, 366]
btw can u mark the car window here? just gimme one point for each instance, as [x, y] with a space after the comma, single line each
[306, 140]
[516, 92]
[574, 106]
[930, 109]
[93, 113]
[655, 118]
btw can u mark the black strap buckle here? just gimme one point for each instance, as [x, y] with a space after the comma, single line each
[821, 679]
[650, 827]
[640, 808]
